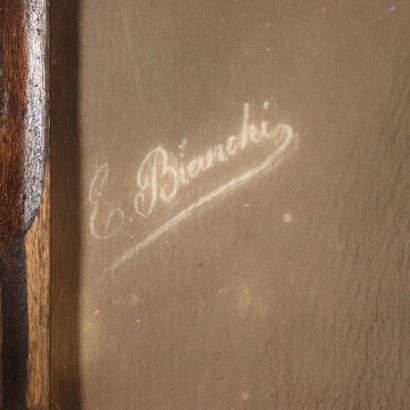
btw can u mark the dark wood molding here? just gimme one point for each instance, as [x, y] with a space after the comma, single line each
[24, 125]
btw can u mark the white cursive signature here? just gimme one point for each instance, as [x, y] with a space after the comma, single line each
[161, 175]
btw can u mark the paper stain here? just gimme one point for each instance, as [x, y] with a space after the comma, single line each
[245, 396]
[249, 300]
[132, 301]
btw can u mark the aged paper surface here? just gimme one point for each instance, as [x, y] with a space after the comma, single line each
[231, 212]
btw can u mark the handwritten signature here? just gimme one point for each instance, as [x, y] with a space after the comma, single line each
[162, 174]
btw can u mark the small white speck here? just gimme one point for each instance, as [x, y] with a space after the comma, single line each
[246, 205]
[287, 217]
[131, 236]
[96, 312]
[266, 105]
[183, 144]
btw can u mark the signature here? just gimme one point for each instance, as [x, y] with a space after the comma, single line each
[162, 175]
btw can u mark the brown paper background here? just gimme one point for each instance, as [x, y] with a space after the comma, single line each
[234, 308]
